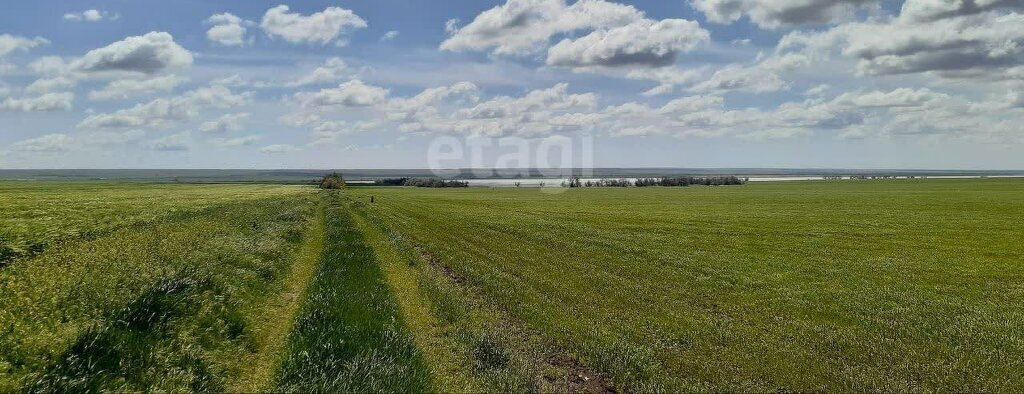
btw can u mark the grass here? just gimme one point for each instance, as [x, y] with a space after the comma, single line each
[34, 215]
[875, 285]
[167, 305]
[910, 285]
[349, 336]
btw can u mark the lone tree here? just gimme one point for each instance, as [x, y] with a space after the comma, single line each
[332, 181]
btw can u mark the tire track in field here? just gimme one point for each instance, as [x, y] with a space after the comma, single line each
[349, 335]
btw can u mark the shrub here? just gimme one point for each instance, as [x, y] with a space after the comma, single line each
[332, 181]
[390, 182]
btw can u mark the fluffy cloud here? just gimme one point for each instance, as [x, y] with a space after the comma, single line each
[667, 77]
[948, 45]
[740, 79]
[328, 132]
[278, 148]
[616, 40]
[930, 10]
[539, 112]
[987, 45]
[525, 26]
[126, 88]
[761, 77]
[173, 143]
[227, 29]
[44, 103]
[817, 90]
[643, 43]
[47, 85]
[166, 112]
[353, 93]
[331, 71]
[903, 97]
[151, 53]
[234, 142]
[224, 124]
[389, 36]
[91, 16]
[46, 143]
[898, 112]
[9, 43]
[779, 13]
[325, 27]
[49, 66]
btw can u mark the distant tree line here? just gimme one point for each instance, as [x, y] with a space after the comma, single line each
[868, 177]
[390, 182]
[691, 180]
[664, 181]
[420, 182]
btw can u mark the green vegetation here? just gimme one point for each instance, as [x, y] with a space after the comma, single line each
[34, 215]
[332, 181]
[349, 336]
[169, 305]
[420, 182]
[878, 285]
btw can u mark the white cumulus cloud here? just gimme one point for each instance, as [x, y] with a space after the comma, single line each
[525, 26]
[227, 29]
[45, 103]
[641, 43]
[151, 53]
[322, 28]
[47, 143]
[92, 15]
[781, 13]
[224, 124]
[9, 43]
[353, 93]
[166, 112]
[127, 88]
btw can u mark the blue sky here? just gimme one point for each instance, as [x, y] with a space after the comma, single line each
[372, 84]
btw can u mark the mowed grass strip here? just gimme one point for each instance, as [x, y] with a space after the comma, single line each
[349, 335]
[164, 307]
[910, 285]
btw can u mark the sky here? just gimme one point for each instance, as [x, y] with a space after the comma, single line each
[915, 84]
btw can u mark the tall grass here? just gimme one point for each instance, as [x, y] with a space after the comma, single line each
[157, 307]
[36, 215]
[349, 335]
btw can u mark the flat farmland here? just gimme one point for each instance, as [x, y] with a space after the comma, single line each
[33, 215]
[882, 285]
[851, 285]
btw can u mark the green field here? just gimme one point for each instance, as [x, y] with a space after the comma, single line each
[903, 285]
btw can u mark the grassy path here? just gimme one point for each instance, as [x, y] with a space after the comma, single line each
[275, 319]
[449, 368]
[467, 343]
[349, 336]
